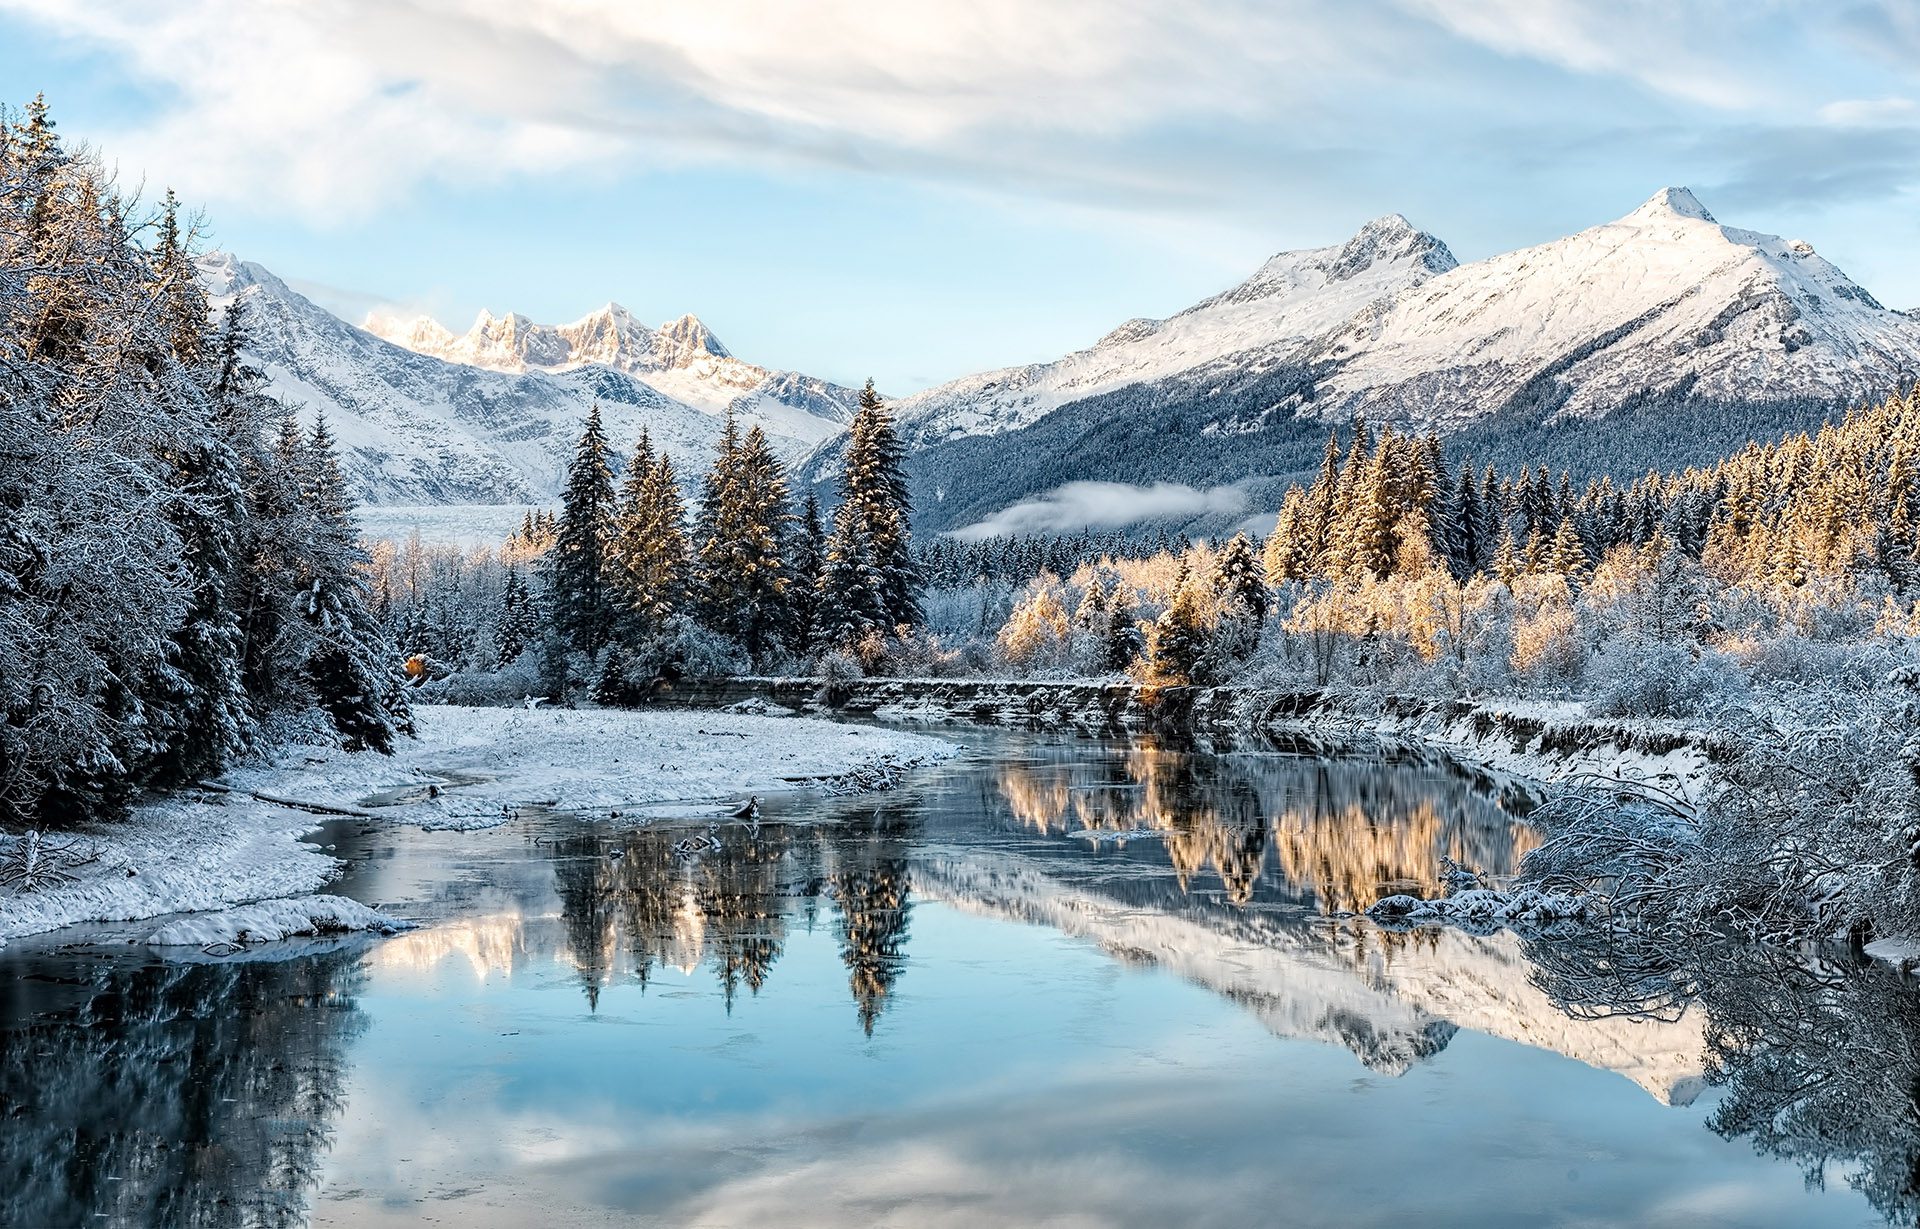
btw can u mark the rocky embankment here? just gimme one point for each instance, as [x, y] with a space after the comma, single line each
[1537, 741]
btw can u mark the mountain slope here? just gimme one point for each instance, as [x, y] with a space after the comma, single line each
[1660, 339]
[1665, 297]
[493, 417]
[1296, 296]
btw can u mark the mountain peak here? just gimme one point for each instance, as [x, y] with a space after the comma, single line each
[1673, 202]
[1390, 237]
[686, 338]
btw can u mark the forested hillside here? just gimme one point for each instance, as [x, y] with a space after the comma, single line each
[178, 564]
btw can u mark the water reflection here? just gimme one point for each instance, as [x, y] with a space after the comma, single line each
[1818, 1059]
[637, 902]
[1343, 833]
[172, 1094]
[865, 1007]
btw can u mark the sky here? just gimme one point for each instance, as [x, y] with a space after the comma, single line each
[919, 189]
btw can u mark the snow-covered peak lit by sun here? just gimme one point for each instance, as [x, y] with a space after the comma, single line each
[608, 337]
[1678, 202]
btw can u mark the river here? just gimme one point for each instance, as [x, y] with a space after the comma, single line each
[1058, 981]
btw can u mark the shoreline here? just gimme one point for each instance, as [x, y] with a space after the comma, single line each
[205, 849]
[1530, 743]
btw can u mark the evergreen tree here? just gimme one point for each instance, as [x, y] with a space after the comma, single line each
[577, 569]
[808, 557]
[348, 662]
[744, 516]
[1238, 581]
[649, 575]
[1567, 555]
[1180, 645]
[869, 582]
[519, 622]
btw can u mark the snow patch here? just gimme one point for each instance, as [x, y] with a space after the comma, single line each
[470, 768]
[1903, 953]
[1488, 907]
[269, 920]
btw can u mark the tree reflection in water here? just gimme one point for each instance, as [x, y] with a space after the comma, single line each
[729, 907]
[1818, 1059]
[1343, 832]
[1284, 827]
[175, 1094]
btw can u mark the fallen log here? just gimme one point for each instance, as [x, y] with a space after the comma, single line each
[317, 808]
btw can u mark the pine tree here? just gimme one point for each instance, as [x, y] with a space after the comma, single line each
[808, 556]
[519, 623]
[744, 517]
[870, 583]
[648, 575]
[349, 664]
[1180, 645]
[577, 569]
[1507, 563]
[1568, 555]
[1124, 642]
[1238, 581]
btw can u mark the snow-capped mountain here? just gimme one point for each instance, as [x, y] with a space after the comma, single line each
[1659, 339]
[424, 417]
[1295, 297]
[1665, 298]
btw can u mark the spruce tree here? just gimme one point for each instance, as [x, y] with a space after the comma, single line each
[870, 583]
[808, 560]
[518, 625]
[1180, 644]
[349, 664]
[1238, 581]
[577, 567]
[653, 555]
[1567, 555]
[743, 524]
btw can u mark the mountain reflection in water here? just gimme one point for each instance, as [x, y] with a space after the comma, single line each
[841, 950]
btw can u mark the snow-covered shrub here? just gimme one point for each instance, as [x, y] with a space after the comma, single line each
[1825, 608]
[1548, 650]
[686, 649]
[1036, 637]
[918, 653]
[837, 670]
[510, 684]
[1810, 828]
[1794, 659]
[1662, 679]
[306, 728]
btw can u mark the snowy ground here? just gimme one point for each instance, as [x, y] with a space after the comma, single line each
[469, 768]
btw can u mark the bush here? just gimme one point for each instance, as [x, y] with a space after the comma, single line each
[510, 684]
[838, 670]
[1660, 679]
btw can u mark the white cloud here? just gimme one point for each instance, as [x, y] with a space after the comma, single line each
[1871, 113]
[1681, 50]
[336, 108]
[1104, 505]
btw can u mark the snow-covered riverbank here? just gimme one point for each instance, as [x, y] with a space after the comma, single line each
[469, 768]
[1536, 743]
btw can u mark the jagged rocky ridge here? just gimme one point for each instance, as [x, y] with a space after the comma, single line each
[423, 417]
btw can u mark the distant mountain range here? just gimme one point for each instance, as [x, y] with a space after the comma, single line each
[1657, 340]
[425, 417]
